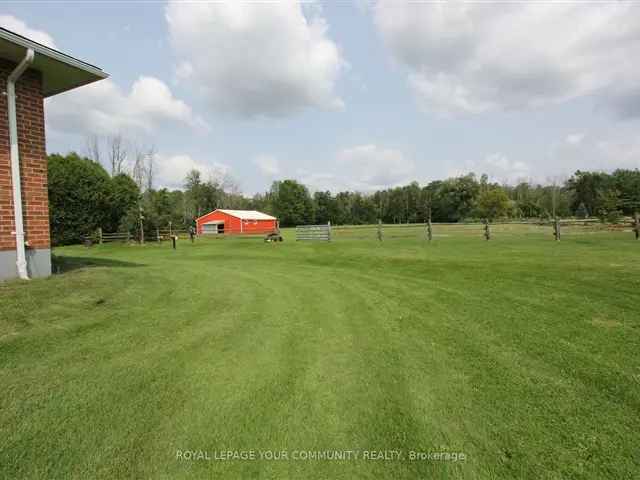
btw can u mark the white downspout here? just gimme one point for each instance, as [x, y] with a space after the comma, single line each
[15, 162]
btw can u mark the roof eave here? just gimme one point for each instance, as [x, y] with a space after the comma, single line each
[92, 72]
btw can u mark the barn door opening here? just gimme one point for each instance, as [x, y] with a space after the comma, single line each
[213, 228]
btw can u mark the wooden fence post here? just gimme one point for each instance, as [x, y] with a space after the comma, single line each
[487, 230]
[559, 231]
[556, 229]
[329, 230]
[379, 230]
[128, 236]
[140, 218]
[100, 235]
[157, 234]
[637, 225]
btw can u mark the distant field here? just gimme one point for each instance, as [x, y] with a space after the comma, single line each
[520, 353]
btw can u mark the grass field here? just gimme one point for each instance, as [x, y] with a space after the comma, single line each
[521, 353]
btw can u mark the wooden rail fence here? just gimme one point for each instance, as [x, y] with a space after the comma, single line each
[167, 233]
[114, 237]
[428, 231]
[555, 228]
[107, 237]
[160, 234]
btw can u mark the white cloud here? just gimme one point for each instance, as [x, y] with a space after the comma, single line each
[172, 170]
[103, 108]
[18, 26]
[322, 181]
[498, 167]
[574, 138]
[473, 57]
[252, 58]
[607, 151]
[268, 165]
[372, 167]
[361, 168]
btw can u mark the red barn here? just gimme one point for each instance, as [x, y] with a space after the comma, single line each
[236, 222]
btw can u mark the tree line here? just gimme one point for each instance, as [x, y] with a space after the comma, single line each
[83, 196]
[607, 196]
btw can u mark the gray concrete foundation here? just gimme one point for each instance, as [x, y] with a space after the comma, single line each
[38, 263]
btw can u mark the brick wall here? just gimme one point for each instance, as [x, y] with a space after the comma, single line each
[33, 161]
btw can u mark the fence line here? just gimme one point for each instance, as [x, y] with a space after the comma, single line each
[167, 233]
[427, 231]
[555, 228]
[585, 222]
[158, 235]
[107, 237]
[114, 237]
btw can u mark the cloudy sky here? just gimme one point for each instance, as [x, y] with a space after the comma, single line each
[357, 95]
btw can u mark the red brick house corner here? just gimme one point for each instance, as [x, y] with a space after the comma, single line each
[29, 73]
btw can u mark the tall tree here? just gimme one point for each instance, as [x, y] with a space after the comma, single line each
[93, 148]
[627, 183]
[325, 207]
[292, 203]
[454, 198]
[150, 169]
[609, 205]
[117, 152]
[492, 203]
[587, 188]
[124, 195]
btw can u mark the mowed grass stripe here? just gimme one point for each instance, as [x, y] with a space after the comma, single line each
[519, 352]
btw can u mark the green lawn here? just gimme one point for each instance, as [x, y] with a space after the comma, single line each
[521, 353]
